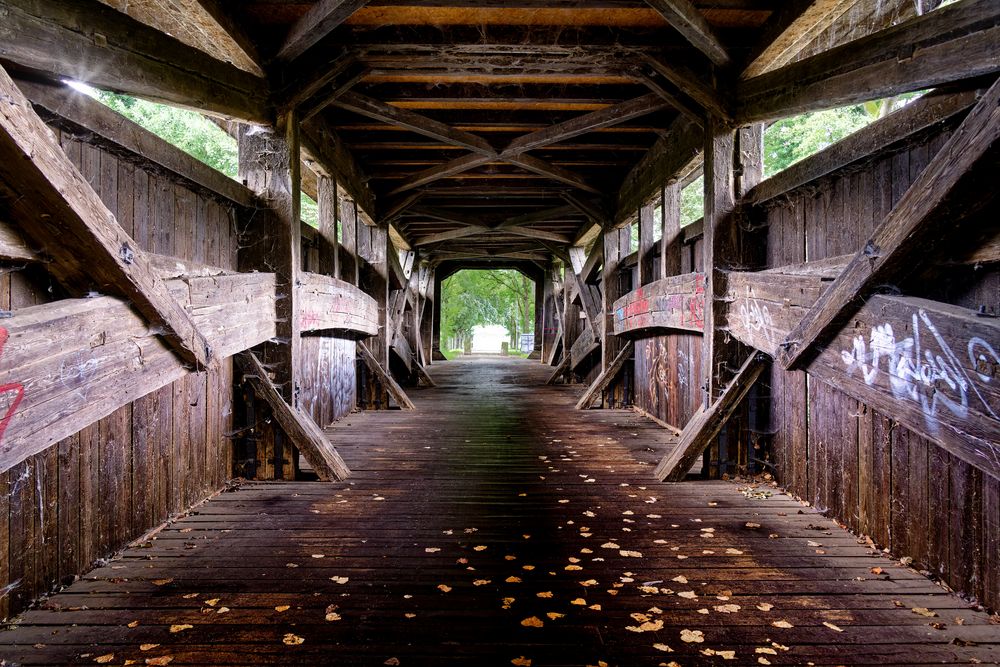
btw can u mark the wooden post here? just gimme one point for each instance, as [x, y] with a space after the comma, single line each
[373, 248]
[435, 336]
[670, 244]
[614, 284]
[540, 283]
[269, 165]
[427, 316]
[329, 249]
[349, 235]
[647, 263]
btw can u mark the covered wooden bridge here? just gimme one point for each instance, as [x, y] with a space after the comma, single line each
[771, 436]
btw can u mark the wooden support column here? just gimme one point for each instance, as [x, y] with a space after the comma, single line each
[269, 165]
[427, 314]
[540, 285]
[647, 247]
[435, 337]
[329, 249]
[615, 283]
[373, 249]
[348, 221]
[670, 243]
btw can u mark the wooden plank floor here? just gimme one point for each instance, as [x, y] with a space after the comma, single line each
[494, 509]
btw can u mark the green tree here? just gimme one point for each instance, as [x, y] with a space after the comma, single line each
[476, 297]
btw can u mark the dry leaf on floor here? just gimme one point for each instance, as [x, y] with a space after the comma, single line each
[410, 615]
[692, 636]
[479, 547]
[532, 622]
[480, 582]
[663, 647]
[588, 583]
[648, 626]
[765, 606]
[392, 662]
[680, 579]
[212, 602]
[282, 607]
[782, 624]
[513, 580]
[580, 602]
[161, 582]
[331, 613]
[923, 611]
[630, 554]
[689, 595]
[573, 568]
[180, 627]
[727, 608]
[339, 580]
[507, 602]
[610, 545]
[444, 588]
[833, 627]
[292, 639]
[521, 662]
[159, 662]
[594, 607]
[147, 647]
[553, 615]
[104, 659]
[544, 594]
[432, 550]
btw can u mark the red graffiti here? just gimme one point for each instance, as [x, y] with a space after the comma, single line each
[696, 304]
[308, 320]
[10, 394]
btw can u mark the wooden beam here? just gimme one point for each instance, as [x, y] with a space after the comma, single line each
[537, 216]
[561, 369]
[708, 422]
[607, 376]
[56, 207]
[451, 168]
[927, 364]
[203, 24]
[91, 42]
[387, 380]
[323, 146]
[672, 303]
[647, 247]
[902, 237]
[586, 343]
[670, 239]
[790, 30]
[334, 92]
[556, 173]
[415, 122]
[301, 430]
[682, 105]
[956, 42]
[60, 105]
[70, 363]
[686, 20]
[692, 85]
[662, 163]
[610, 116]
[321, 19]
[593, 209]
[866, 142]
[330, 304]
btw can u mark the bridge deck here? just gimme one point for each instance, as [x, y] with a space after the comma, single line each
[495, 526]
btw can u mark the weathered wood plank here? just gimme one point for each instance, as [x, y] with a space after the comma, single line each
[930, 365]
[675, 302]
[91, 42]
[56, 207]
[582, 347]
[68, 364]
[707, 423]
[686, 20]
[956, 42]
[297, 425]
[607, 376]
[385, 378]
[321, 19]
[327, 303]
[902, 234]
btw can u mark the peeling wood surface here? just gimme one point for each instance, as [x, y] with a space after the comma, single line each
[676, 302]
[330, 304]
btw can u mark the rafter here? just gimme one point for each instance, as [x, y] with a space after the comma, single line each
[556, 173]
[691, 85]
[686, 20]
[321, 19]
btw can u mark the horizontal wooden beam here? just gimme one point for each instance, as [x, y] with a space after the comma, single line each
[708, 422]
[67, 364]
[930, 366]
[900, 239]
[55, 206]
[88, 41]
[956, 42]
[685, 19]
[674, 302]
[300, 428]
[866, 142]
[607, 376]
[328, 304]
[453, 167]
[539, 166]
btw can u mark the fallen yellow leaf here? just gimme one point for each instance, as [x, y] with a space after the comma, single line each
[104, 659]
[532, 622]
[180, 627]
[663, 647]
[692, 636]
[282, 607]
[160, 661]
[782, 624]
[544, 594]
[521, 662]
[147, 647]
[292, 640]
[444, 588]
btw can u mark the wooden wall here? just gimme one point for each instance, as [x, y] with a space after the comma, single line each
[668, 368]
[95, 491]
[329, 377]
[854, 462]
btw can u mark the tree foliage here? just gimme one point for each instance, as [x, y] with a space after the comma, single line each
[476, 297]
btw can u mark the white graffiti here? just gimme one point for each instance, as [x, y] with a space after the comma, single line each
[756, 317]
[918, 373]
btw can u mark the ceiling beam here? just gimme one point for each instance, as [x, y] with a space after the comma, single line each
[673, 100]
[790, 29]
[594, 210]
[556, 173]
[956, 42]
[537, 216]
[686, 20]
[322, 144]
[339, 87]
[321, 19]
[691, 85]
[113, 51]
[451, 168]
